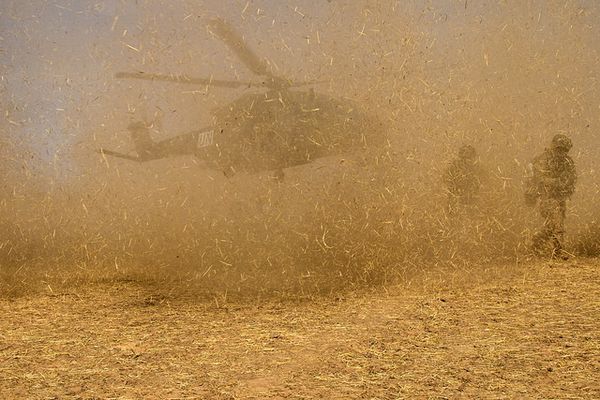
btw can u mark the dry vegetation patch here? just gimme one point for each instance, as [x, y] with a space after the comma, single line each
[533, 334]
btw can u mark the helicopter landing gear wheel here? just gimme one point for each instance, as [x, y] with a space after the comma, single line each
[229, 172]
[278, 175]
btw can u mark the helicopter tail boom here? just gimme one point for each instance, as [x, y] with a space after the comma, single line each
[117, 154]
[148, 150]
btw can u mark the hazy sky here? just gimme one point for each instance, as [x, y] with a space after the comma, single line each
[502, 75]
[439, 67]
[60, 56]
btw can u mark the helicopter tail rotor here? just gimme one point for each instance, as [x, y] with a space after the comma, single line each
[140, 135]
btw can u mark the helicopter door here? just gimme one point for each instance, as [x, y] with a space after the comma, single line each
[205, 139]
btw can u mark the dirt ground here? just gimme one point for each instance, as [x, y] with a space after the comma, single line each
[531, 334]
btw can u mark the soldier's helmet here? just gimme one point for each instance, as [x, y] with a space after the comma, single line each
[561, 142]
[467, 152]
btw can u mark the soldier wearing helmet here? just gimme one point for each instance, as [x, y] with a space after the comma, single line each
[462, 179]
[553, 183]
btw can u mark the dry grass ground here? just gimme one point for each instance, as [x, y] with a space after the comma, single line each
[533, 333]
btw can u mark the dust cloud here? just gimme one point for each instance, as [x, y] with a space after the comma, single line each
[409, 81]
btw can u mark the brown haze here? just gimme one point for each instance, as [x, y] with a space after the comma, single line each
[502, 76]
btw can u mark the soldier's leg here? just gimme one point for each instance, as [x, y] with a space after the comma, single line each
[544, 234]
[558, 227]
[452, 205]
[539, 242]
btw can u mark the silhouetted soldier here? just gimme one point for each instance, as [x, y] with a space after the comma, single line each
[553, 183]
[462, 179]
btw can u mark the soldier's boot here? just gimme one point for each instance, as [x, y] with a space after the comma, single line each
[557, 250]
[560, 254]
[539, 244]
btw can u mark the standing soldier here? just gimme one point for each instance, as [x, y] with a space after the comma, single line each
[462, 179]
[553, 182]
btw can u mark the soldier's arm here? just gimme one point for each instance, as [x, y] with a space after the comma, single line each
[448, 175]
[545, 181]
[539, 167]
[571, 177]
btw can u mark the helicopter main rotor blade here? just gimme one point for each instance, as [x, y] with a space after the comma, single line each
[238, 45]
[184, 79]
[305, 83]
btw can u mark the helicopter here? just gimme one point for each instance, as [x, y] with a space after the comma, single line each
[274, 128]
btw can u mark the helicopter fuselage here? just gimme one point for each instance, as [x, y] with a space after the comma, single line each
[281, 129]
